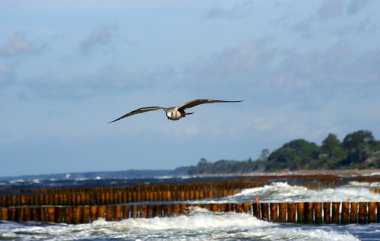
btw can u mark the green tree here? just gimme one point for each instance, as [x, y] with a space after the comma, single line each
[297, 154]
[332, 152]
[359, 146]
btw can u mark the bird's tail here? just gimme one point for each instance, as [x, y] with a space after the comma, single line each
[189, 113]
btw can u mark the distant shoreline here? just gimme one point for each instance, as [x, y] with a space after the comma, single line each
[342, 172]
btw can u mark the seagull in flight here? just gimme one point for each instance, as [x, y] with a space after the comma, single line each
[177, 112]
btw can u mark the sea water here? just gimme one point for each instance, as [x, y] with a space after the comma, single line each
[201, 224]
[198, 225]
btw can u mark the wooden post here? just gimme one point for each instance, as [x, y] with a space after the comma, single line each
[26, 214]
[229, 207]
[134, 213]
[77, 212]
[326, 212]
[117, 213]
[134, 197]
[183, 208]
[247, 207]
[257, 210]
[362, 212]
[273, 212]
[86, 214]
[197, 195]
[215, 207]
[354, 212]
[19, 214]
[149, 213]
[223, 207]
[371, 212]
[309, 213]
[43, 214]
[51, 214]
[318, 212]
[345, 213]
[126, 209]
[292, 208]
[175, 209]
[35, 215]
[300, 212]
[265, 211]
[93, 213]
[238, 208]
[143, 211]
[335, 212]
[102, 198]
[109, 212]
[101, 211]
[68, 214]
[282, 212]
[168, 210]
[157, 211]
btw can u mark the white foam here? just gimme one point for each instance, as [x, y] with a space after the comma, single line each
[16, 181]
[364, 184]
[200, 224]
[283, 192]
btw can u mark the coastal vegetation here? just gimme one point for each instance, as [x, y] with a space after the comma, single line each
[357, 150]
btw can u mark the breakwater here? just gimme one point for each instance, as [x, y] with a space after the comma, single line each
[86, 204]
[285, 212]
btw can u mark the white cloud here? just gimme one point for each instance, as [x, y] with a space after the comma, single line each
[101, 36]
[20, 44]
[238, 10]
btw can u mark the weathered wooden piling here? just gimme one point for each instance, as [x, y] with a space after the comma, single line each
[317, 213]
[134, 211]
[335, 212]
[257, 210]
[239, 207]
[363, 212]
[354, 212]
[327, 212]
[282, 212]
[300, 212]
[309, 213]
[345, 213]
[291, 210]
[265, 211]
[371, 212]
[126, 212]
[273, 212]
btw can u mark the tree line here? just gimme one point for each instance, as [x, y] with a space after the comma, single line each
[358, 150]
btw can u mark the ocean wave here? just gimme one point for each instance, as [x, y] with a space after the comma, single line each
[283, 192]
[200, 224]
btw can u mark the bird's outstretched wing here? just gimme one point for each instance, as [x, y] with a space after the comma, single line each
[203, 101]
[140, 110]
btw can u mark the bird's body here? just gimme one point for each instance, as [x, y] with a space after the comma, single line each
[177, 112]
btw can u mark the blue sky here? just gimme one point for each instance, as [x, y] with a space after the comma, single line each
[304, 68]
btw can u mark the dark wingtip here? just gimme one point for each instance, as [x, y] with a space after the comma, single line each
[112, 121]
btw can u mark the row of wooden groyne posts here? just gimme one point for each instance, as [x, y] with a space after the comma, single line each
[84, 205]
[285, 212]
